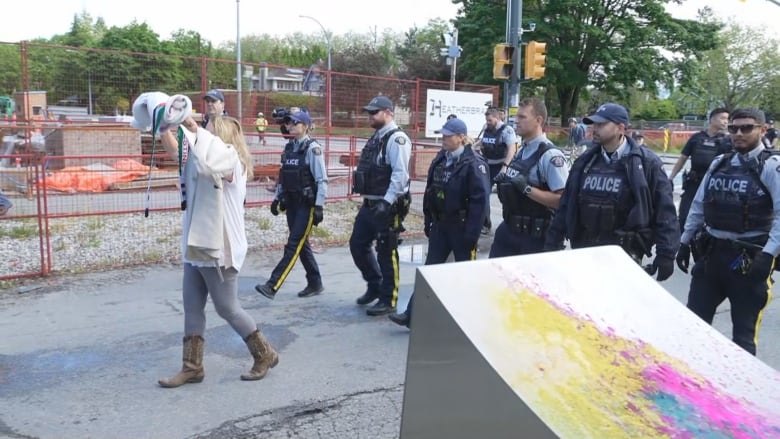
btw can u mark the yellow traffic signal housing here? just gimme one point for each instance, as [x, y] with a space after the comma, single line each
[535, 59]
[502, 61]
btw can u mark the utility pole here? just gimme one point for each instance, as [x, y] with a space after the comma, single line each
[514, 36]
[452, 51]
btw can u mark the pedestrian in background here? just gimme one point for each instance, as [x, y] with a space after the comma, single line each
[576, 133]
[530, 188]
[734, 226]
[261, 125]
[618, 193]
[216, 168]
[701, 148]
[382, 178]
[300, 193]
[215, 106]
[455, 202]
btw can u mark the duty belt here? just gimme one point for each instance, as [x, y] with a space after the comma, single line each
[528, 225]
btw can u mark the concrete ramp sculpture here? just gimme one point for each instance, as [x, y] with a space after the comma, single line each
[574, 344]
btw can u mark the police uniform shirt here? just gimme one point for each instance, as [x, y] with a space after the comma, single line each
[397, 154]
[316, 162]
[770, 177]
[551, 165]
[621, 150]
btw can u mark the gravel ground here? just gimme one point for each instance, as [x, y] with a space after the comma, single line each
[84, 244]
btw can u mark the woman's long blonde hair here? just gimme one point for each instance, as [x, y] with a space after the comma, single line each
[229, 130]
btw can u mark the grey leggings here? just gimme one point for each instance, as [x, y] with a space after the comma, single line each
[198, 282]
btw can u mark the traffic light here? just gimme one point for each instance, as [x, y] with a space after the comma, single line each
[534, 59]
[502, 61]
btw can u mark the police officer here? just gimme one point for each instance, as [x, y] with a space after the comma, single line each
[618, 194]
[382, 178]
[301, 192]
[498, 145]
[702, 148]
[734, 227]
[455, 202]
[531, 187]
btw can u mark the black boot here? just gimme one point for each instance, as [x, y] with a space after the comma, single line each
[266, 290]
[379, 309]
[402, 319]
[368, 297]
[311, 290]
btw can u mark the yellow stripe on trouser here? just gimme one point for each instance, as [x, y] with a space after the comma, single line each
[473, 254]
[396, 268]
[298, 248]
[768, 299]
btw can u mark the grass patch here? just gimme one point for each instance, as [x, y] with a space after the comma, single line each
[19, 232]
[264, 224]
[95, 223]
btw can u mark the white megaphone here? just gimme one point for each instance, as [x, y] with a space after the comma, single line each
[159, 111]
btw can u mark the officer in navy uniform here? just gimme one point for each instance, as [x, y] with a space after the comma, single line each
[498, 145]
[531, 187]
[734, 227]
[701, 148]
[382, 178]
[455, 203]
[618, 194]
[300, 193]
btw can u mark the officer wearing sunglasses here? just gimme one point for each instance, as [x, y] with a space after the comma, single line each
[734, 229]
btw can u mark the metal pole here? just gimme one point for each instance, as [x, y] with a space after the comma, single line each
[327, 89]
[238, 60]
[514, 36]
[452, 73]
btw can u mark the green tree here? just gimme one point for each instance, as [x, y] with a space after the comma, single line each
[740, 71]
[609, 45]
[419, 52]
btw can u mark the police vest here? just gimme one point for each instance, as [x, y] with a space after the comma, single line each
[436, 193]
[705, 151]
[604, 200]
[492, 145]
[295, 176]
[735, 199]
[515, 203]
[372, 176]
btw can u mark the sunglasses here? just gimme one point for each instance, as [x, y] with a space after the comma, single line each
[292, 122]
[747, 128]
[373, 112]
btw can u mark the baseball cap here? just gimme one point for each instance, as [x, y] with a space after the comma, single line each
[608, 113]
[573, 119]
[215, 94]
[452, 127]
[260, 113]
[637, 134]
[302, 117]
[379, 103]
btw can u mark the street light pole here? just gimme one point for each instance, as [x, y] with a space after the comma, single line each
[327, 88]
[238, 60]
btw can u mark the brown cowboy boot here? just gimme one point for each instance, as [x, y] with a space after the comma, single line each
[192, 367]
[265, 356]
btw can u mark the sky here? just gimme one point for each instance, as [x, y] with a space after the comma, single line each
[45, 18]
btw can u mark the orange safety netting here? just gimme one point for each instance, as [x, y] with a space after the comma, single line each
[95, 178]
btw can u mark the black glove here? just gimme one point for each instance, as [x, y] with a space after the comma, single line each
[381, 211]
[427, 229]
[663, 265]
[275, 208]
[317, 215]
[500, 178]
[520, 183]
[684, 257]
[761, 267]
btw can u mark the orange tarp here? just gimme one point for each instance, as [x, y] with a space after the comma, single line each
[95, 178]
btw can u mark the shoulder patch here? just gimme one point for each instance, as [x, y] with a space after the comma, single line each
[482, 168]
[557, 161]
[316, 150]
[401, 140]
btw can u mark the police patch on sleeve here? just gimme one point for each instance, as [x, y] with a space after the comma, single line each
[401, 140]
[557, 161]
[482, 169]
[316, 150]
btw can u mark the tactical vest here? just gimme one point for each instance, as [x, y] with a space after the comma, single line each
[492, 146]
[736, 200]
[604, 201]
[295, 176]
[372, 176]
[515, 203]
[436, 193]
[705, 152]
